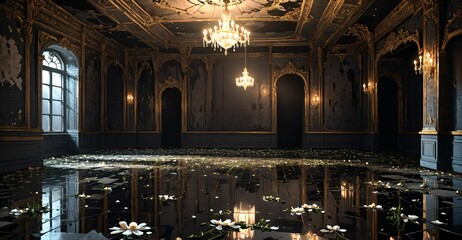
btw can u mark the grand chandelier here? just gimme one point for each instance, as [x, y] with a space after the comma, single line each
[227, 34]
[245, 80]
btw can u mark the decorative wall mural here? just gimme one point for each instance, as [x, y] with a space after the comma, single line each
[341, 89]
[197, 96]
[92, 90]
[10, 67]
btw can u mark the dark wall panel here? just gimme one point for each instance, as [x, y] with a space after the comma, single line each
[115, 98]
[12, 73]
[197, 85]
[92, 90]
[236, 109]
[455, 79]
[145, 97]
[342, 88]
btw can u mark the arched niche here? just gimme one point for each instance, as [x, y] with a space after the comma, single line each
[290, 68]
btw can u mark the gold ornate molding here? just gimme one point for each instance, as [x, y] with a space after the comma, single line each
[395, 39]
[290, 68]
[362, 32]
[170, 82]
[398, 15]
[448, 34]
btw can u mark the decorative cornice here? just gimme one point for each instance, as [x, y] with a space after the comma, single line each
[395, 39]
[362, 32]
[290, 68]
[448, 34]
[170, 82]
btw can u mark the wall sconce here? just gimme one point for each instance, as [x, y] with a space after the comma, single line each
[315, 99]
[368, 88]
[129, 98]
[425, 64]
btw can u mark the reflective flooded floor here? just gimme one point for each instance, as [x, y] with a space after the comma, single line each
[231, 194]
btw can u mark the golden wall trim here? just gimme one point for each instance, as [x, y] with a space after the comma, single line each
[20, 139]
[19, 129]
[457, 133]
[230, 132]
[428, 132]
[337, 132]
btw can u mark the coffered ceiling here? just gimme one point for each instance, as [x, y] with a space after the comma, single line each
[175, 24]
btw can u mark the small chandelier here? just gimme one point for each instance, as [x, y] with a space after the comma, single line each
[227, 34]
[245, 80]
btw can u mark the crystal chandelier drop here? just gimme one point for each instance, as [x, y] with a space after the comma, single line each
[227, 34]
[245, 80]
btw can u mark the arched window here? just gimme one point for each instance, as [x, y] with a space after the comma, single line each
[59, 91]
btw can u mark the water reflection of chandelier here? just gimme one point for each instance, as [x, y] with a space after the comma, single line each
[245, 80]
[227, 34]
[246, 214]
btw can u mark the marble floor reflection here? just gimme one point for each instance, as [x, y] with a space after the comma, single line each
[265, 194]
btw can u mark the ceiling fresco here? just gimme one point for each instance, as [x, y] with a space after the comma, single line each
[275, 23]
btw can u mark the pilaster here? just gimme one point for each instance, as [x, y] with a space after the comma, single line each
[436, 147]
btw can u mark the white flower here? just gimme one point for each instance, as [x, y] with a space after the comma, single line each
[310, 207]
[128, 230]
[332, 229]
[83, 195]
[166, 197]
[16, 211]
[409, 217]
[107, 189]
[274, 228]
[218, 224]
[297, 210]
[373, 206]
[437, 222]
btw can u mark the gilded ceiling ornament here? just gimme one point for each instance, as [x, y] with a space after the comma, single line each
[165, 5]
[292, 16]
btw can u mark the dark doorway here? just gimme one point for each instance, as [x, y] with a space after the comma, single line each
[171, 118]
[388, 114]
[290, 105]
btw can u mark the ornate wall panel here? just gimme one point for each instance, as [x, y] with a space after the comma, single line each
[12, 72]
[342, 89]
[197, 85]
[232, 107]
[92, 92]
[115, 97]
[145, 105]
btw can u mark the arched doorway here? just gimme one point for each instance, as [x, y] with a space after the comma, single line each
[171, 118]
[400, 106]
[290, 109]
[388, 114]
